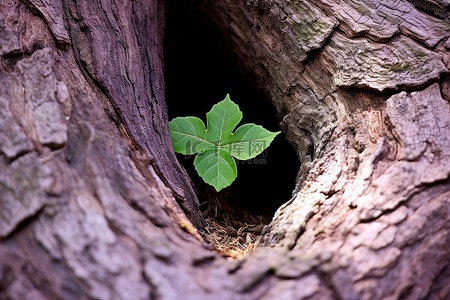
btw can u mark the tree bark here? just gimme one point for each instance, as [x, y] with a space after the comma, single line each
[94, 204]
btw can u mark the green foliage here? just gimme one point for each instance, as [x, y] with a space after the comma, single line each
[217, 145]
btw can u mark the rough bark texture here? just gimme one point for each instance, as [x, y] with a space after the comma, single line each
[94, 204]
[362, 89]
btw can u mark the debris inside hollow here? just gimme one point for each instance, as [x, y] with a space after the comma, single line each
[231, 230]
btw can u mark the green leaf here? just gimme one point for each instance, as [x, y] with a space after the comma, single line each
[216, 167]
[218, 144]
[222, 119]
[188, 135]
[249, 141]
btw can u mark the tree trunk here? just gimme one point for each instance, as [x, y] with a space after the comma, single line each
[94, 204]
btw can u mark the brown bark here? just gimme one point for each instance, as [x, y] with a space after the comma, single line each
[361, 88]
[88, 183]
[94, 204]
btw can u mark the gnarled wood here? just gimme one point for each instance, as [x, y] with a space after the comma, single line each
[368, 119]
[94, 204]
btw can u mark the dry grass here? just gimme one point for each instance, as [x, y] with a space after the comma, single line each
[231, 230]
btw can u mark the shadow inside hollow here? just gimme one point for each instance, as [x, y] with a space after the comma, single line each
[200, 71]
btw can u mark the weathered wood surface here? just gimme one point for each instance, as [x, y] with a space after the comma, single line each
[362, 88]
[94, 203]
[88, 182]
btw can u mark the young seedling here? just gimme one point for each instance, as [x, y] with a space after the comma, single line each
[217, 145]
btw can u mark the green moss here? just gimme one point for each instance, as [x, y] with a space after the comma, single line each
[280, 235]
[418, 53]
[300, 7]
[398, 67]
[299, 33]
[308, 30]
[362, 10]
[422, 72]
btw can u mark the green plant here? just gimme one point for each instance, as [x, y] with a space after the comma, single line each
[217, 145]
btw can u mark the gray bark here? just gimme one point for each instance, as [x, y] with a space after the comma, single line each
[94, 204]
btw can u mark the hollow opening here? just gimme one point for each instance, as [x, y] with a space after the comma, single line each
[200, 71]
